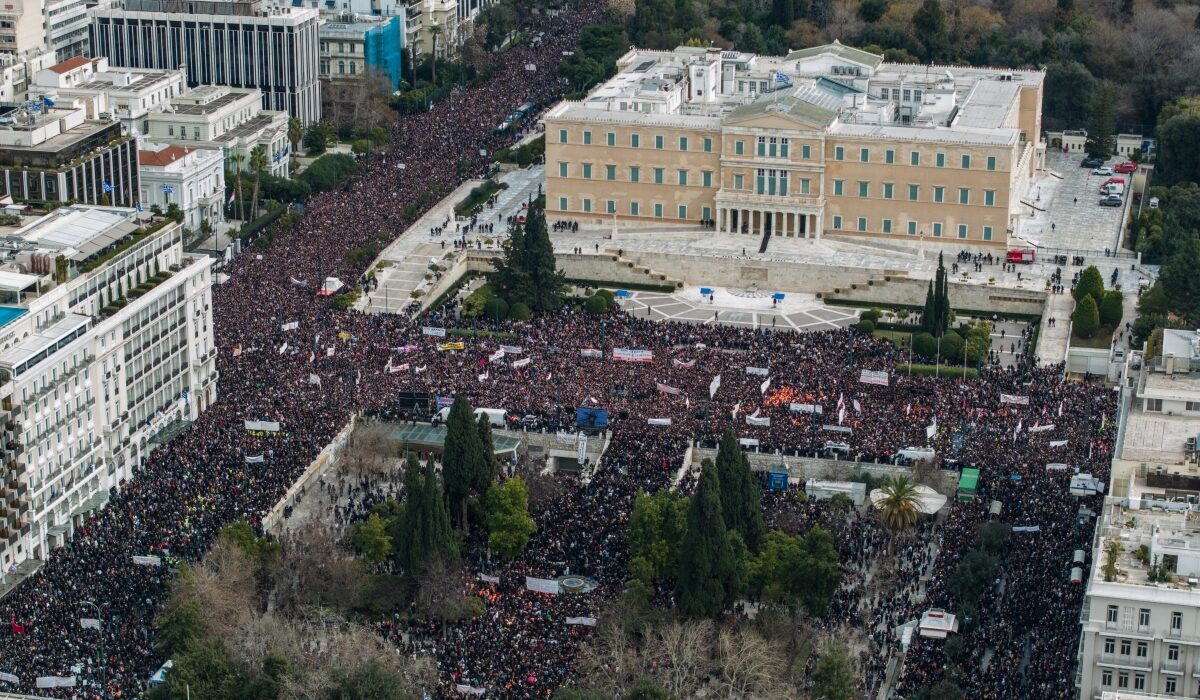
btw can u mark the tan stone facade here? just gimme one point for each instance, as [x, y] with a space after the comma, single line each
[786, 166]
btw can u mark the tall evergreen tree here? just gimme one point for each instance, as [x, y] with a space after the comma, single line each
[462, 458]
[546, 280]
[740, 495]
[484, 479]
[943, 318]
[511, 277]
[414, 520]
[440, 532]
[707, 580]
[927, 314]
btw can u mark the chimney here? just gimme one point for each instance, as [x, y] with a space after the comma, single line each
[1169, 363]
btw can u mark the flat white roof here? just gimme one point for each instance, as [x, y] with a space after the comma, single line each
[16, 282]
[83, 229]
[45, 341]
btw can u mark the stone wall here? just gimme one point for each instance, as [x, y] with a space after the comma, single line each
[975, 297]
[807, 468]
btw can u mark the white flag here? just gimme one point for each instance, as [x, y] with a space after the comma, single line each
[857, 406]
[89, 623]
[714, 385]
[483, 377]
[314, 379]
[762, 389]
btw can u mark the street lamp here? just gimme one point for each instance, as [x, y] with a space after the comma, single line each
[103, 658]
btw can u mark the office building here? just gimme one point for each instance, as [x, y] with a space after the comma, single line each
[17, 73]
[827, 140]
[359, 46]
[54, 153]
[337, 8]
[101, 360]
[127, 94]
[239, 43]
[67, 28]
[191, 178]
[226, 119]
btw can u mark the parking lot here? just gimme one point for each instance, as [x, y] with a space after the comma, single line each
[1073, 218]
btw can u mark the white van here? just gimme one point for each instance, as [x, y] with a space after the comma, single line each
[1117, 188]
[1154, 202]
[495, 416]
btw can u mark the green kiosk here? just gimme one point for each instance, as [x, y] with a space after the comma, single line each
[968, 485]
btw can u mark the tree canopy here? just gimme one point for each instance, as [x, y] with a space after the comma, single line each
[526, 273]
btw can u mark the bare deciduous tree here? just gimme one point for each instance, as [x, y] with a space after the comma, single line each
[684, 647]
[750, 666]
[225, 588]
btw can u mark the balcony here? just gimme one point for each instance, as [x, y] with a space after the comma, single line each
[1140, 662]
[750, 200]
[1169, 666]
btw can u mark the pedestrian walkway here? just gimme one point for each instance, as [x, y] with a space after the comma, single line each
[745, 308]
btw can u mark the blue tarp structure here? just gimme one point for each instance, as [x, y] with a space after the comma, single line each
[591, 417]
[622, 293]
[777, 481]
[777, 296]
[706, 291]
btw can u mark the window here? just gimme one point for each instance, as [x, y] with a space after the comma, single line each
[889, 156]
[739, 148]
[633, 208]
[806, 152]
[610, 172]
[1110, 645]
[939, 194]
[1126, 647]
[914, 158]
[989, 198]
[682, 144]
[562, 169]
[1123, 679]
[658, 210]
[837, 187]
[737, 181]
[610, 139]
[1143, 619]
[805, 185]
[1192, 406]
[887, 225]
[707, 145]
[706, 178]
[966, 162]
[762, 146]
[587, 171]
[964, 195]
[658, 142]
[562, 203]
[1154, 405]
[1176, 623]
[1169, 685]
[611, 207]
[991, 162]
[1139, 681]
[864, 155]
[838, 153]
[864, 189]
[635, 140]
[887, 190]
[962, 230]
[587, 138]
[706, 214]
[658, 176]
[914, 193]
[682, 212]
[587, 205]
[937, 229]
[1106, 678]
[912, 228]
[837, 222]
[783, 148]
[941, 160]
[1142, 650]
[862, 223]
[562, 135]
[683, 180]
[987, 233]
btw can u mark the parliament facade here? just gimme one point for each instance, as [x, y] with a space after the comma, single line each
[824, 140]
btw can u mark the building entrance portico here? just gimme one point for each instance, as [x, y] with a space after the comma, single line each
[788, 222]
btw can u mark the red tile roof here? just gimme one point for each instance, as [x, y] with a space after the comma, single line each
[70, 64]
[166, 156]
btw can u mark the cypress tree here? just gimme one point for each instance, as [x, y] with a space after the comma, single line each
[410, 550]
[546, 281]
[487, 475]
[440, 533]
[706, 582]
[462, 457]
[740, 495]
[927, 313]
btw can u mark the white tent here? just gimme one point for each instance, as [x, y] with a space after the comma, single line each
[928, 500]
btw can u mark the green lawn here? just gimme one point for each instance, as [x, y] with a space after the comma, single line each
[897, 337]
[1101, 341]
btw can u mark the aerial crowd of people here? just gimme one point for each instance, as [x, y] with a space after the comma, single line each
[186, 491]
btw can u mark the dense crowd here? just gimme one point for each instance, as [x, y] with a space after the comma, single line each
[174, 505]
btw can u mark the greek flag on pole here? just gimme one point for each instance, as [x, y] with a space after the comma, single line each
[167, 189]
[138, 206]
[108, 187]
[783, 80]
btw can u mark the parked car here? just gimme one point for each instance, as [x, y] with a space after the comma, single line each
[1105, 170]
[1154, 202]
[1091, 162]
[1127, 167]
[1112, 200]
[1119, 355]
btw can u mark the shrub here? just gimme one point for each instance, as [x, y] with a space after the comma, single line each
[519, 312]
[495, 308]
[607, 294]
[866, 326]
[596, 304]
[1086, 317]
[952, 346]
[949, 371]
[925, 345]
[1090, 283]
[327, 172]
[872, 315]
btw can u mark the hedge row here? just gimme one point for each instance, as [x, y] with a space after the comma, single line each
[639, 286]
[858, 304]
[471, 333]
[949, 371]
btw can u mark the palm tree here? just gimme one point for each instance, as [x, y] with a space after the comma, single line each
[237, 159]
[434, 32]
[898, 507]
[295, 132]
[258, 163]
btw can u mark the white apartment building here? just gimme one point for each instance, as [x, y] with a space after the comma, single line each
[67, 27]
[17, 73]
[421, 37]
[239, 43]
[192, 178]
[100, 362]
[374, 8]
[21, 27]
[128, 94]
[227, 119]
